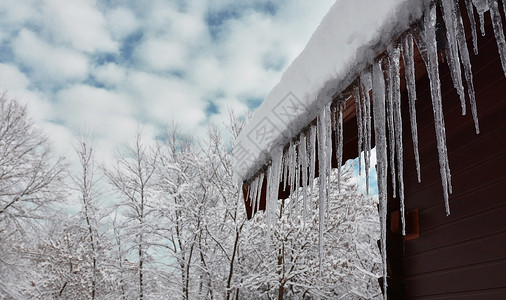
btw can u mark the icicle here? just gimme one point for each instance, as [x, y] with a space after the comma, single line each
[295, 196]
[291, 166]
[322, 163]
[360, 130]
[495, 16]
[382, 160]
[429, 40]
[328, 154]
[284, 174]
[303, 164]
[312, 156]
[481, 7]
[453, 51]
[334, 130]
[394, 53]
[250, 195]
[291, 174]
[258, 196]
[409, 72]
[252, 190]
[470, 14]
[328, 135]
[366, 85]
[268, 200]
[296, 176]
[339, 138]
[417, 33]
[390, 124]
[273, 178]
[466, 61]
[255, 184]
[504, 6]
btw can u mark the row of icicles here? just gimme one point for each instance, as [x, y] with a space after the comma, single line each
[297, 164]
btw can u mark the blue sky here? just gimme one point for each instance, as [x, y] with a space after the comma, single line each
[113, 66]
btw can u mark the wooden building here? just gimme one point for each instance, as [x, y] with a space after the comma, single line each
[461, 255]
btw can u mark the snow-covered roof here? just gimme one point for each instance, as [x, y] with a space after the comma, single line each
[348, 51]
[348, 38]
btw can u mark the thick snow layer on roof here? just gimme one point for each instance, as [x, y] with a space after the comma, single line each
[347, 39]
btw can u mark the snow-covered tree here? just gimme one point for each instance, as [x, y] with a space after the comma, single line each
[176, 227]
[132, 178]
[30, 177]
[287, 263]
[225, 217]
[31, 180]
[186, 199]
[86, 185]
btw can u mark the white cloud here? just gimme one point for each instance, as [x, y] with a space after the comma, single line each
[83, 106]
[61, 137]
[110, 74]
[164, 100]
[56, 43]
[11, 78]
[189, 28]
[171, 39]
[49, 63]
[161, 54]
[78, 24]
[17, 84]
[226, 107]
[15, 13]
[121, 22]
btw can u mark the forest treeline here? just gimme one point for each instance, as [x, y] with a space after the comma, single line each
[165, 220]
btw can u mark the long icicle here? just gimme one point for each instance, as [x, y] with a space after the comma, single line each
[394, 52]
[382, 161]
[286, 164]
[312, 156]
[252, 194]
[360, 130]
[295, 196]
[429, 40]
[259, 191]
[328, 155]
[251, 189]
[409, 73]
[466, 62]
[481, 8]
[453, 51]
[366, 86]
[268, 201]
[322, 163]
[254, 197]
[339, 138]
[504, 6]
[303, 163]
[495, 16]
[390, 125]
[472, 21]
[273, 185]
[292, 167]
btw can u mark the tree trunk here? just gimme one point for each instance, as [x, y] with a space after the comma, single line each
[281, 269]
[231, 270]
[141, 285]
[280, 292]
[90, 231]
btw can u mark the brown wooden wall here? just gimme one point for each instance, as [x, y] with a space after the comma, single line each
[463, 255]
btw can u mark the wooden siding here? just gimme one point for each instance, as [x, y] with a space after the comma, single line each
[463, 255]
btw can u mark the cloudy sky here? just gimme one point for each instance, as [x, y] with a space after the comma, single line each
[112, 66]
